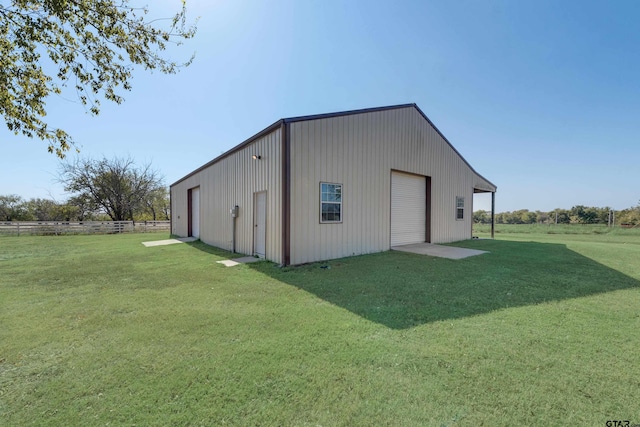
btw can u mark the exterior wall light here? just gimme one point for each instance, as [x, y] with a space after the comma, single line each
[256, 157]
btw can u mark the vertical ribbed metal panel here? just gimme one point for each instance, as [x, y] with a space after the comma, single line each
[231, 181]
[178, 211]
[359, 151]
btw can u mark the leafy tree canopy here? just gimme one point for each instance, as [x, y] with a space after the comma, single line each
[93, 46]
[117, 186]
[10, 207]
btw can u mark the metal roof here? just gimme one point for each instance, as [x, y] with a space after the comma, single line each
[280, 122]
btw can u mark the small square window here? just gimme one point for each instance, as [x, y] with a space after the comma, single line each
[459, 208]
[330, 202]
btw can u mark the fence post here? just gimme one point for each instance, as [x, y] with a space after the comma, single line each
[18, 229]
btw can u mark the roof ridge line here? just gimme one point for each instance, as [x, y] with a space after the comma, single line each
[346, 113]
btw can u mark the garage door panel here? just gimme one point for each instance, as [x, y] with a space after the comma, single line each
[408, 208]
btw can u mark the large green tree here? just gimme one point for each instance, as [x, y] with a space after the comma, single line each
[630, 216]
[158, 205]
[11, 208]
[116, 186]
[89, 47]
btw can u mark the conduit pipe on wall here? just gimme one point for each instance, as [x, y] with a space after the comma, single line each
[234, 215]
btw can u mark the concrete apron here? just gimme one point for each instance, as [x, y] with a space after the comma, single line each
[237, 261]
[438, 250]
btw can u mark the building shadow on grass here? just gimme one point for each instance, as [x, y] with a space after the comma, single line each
[222, 253]
[402, 290]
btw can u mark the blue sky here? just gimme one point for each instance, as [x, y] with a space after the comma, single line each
[541, 97]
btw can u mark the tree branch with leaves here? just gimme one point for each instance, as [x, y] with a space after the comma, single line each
[93, 46]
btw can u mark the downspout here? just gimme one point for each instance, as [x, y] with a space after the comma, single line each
[471, 210]
[170, 214]
[493, 213]
[286, 193]
[234, 216]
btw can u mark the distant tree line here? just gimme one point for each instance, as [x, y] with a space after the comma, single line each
[15, 208]
[105, 189]
[576, 215]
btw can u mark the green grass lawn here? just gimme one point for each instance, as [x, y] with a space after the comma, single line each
[99, 330]
[579, 229]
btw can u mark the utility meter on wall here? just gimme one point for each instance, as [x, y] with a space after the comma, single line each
[234, 211]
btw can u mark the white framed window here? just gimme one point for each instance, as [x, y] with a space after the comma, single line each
[459, 208]
[330, 202]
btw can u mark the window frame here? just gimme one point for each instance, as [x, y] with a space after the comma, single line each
[331, 202]
[459, 208]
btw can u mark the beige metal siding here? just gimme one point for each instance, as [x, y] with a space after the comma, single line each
[408, 208]
[231, 181]
[359, 151]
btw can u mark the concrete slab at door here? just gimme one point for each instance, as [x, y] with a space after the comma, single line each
[439, 251]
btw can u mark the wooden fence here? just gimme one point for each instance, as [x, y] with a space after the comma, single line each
[42, 228]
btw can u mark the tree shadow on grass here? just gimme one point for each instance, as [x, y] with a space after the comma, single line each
[402, 290]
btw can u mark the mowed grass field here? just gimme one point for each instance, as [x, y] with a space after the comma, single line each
[100, 330]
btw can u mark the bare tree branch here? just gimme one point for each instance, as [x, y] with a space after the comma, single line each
[116, 185]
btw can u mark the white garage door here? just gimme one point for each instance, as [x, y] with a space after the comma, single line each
[408, 208]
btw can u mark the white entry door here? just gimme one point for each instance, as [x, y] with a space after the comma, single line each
[408, 208]
[195, 212]
[260, 223]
